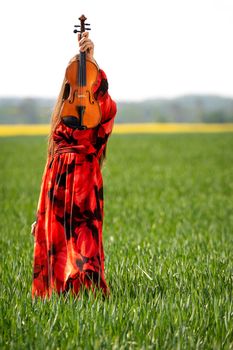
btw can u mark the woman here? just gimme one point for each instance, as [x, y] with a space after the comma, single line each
[68, 246]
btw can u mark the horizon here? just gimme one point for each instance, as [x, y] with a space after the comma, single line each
[206, 95]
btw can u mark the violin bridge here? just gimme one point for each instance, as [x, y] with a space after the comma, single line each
[77, 95]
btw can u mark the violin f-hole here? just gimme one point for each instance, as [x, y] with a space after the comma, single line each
[91, 100]
[66, 93]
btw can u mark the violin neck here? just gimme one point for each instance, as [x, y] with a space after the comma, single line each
[82, 69]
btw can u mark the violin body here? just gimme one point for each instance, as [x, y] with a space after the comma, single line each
[79, 100]
[79, 104]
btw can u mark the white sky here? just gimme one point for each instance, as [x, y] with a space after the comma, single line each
[149, 48]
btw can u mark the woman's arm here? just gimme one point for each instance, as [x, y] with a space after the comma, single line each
[109, 110]
[33, 226]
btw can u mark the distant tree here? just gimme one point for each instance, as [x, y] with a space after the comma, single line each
[28, 109]
[215, 117]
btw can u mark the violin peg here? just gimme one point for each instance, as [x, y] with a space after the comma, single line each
[87, 24]
[76, 25]
[87, 28]
[76, 31]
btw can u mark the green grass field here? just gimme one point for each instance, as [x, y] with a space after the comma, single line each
[168, 234]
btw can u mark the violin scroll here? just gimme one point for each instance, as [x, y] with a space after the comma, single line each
[82, 26]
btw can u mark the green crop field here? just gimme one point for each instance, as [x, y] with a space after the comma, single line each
[168, 234]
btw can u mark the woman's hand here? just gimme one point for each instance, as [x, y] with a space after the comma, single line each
[85, 44]
[33, 226]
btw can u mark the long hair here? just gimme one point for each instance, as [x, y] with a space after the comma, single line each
[55, 119]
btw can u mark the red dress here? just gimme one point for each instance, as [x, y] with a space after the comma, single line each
[68, 245]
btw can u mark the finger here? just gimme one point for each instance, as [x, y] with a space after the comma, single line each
[84, 40]
[87, 46]
[85, 43]
[84, 35]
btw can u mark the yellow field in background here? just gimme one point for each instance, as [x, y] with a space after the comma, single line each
[43, 129]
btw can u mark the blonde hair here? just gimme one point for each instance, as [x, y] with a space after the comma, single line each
[55, 119]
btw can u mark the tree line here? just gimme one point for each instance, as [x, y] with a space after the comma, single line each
[184, 109]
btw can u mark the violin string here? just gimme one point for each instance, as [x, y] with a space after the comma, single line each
[82, 80]
[81, 84]
[80, 71]
[78, 65]
[80, 76]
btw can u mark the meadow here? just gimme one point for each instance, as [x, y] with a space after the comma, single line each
[168, 234]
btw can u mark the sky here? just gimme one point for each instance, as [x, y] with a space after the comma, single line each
[148, 49]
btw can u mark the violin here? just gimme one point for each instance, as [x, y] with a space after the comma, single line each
[79, 105]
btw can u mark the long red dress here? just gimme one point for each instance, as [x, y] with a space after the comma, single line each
[68, 245]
